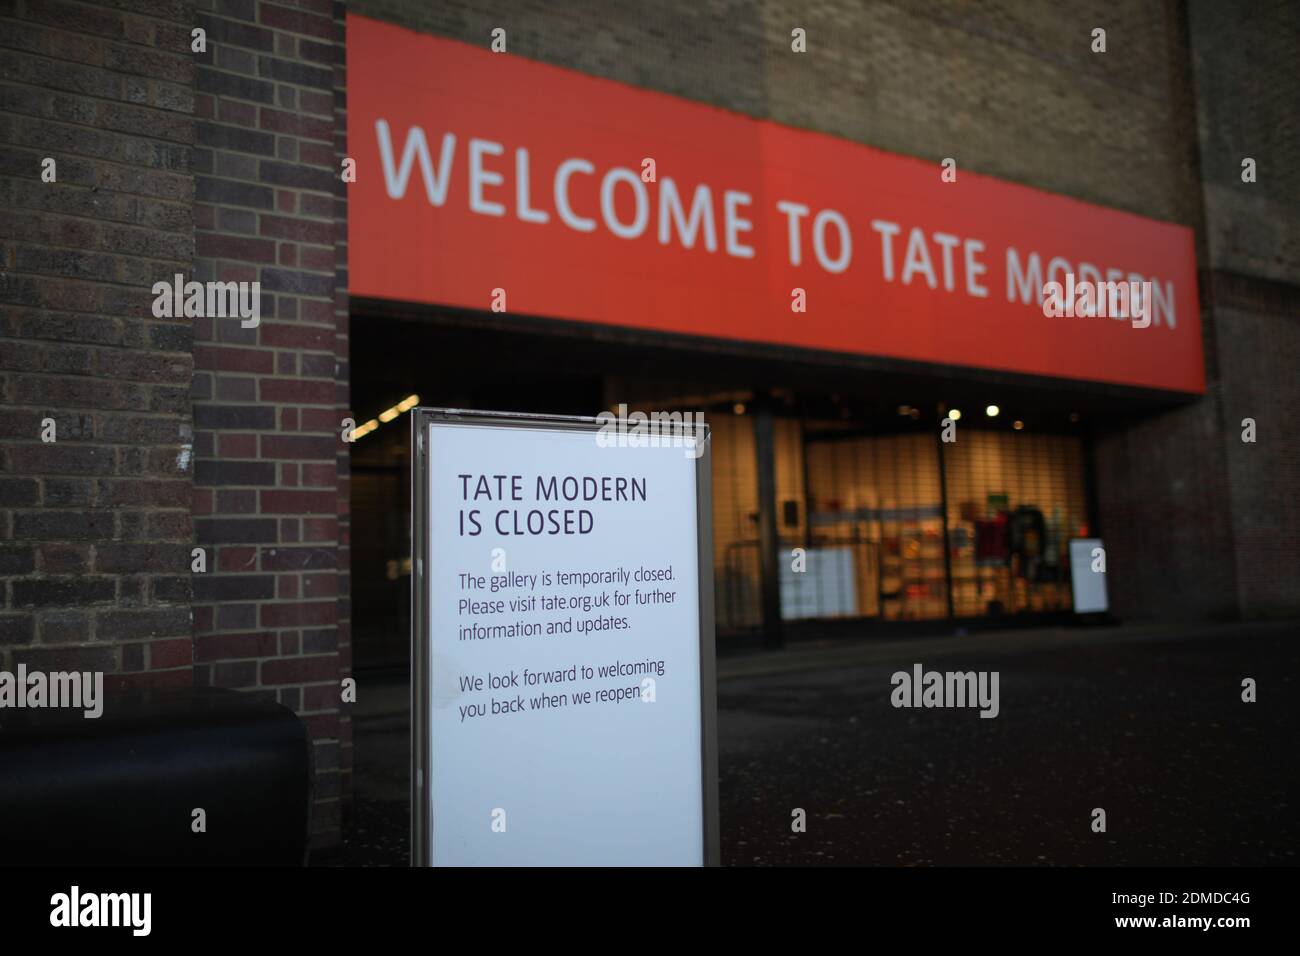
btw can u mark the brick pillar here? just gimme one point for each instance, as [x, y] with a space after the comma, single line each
[267, 400]
[343, 377]
[95, 566]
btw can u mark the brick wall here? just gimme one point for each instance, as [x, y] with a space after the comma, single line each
[170, 433]
[1260, 351]
[342, 396]
[1246, 105]
[1162, 494]
[1204, 524]
[270, 616]
[96, 525]
[1010, 88]
[1245, 92]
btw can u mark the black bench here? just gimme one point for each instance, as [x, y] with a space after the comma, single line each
[121, 789]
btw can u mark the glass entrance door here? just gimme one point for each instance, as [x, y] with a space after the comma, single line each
[879, 497]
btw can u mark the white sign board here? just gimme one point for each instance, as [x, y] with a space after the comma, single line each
[560, 696]
[824, 588]
[1089, 585]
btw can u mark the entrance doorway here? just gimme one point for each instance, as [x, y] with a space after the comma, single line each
[875, 520]
[973, 528]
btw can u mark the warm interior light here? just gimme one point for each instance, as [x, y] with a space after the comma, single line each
[955, 414]
[739, 408]
[1018, 425]
[365, 429]
[992, 411]
[386, 416]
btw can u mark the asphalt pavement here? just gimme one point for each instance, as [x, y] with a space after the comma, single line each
[1145, 723]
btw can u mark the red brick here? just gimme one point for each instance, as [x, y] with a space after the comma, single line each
[288, 390]
[321, 313]
[316, 154]
[298, 613]
[235, 558]
[322, 419]
[237, 446]
[173, 653]
[227, 358]
[297, 124]
[322, 697]
[299, 502]
[236, 113]
[298, 447]
[180, 677]
[316, 258]
[296, 21]
[298, 337]
[319, 476]
[320, 585]
[229, 647]
[243, 248]
[322, 726]
[300, 670]
[320, 529]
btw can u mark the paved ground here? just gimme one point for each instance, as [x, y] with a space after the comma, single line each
[1145, 723]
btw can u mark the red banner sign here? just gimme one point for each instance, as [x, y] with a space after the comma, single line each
[484, 181]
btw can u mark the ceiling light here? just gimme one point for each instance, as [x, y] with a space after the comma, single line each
[386, 416]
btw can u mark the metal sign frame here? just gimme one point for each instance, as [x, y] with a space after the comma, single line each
[422, 561]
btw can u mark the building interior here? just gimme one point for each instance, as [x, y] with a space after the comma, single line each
[899, 530]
